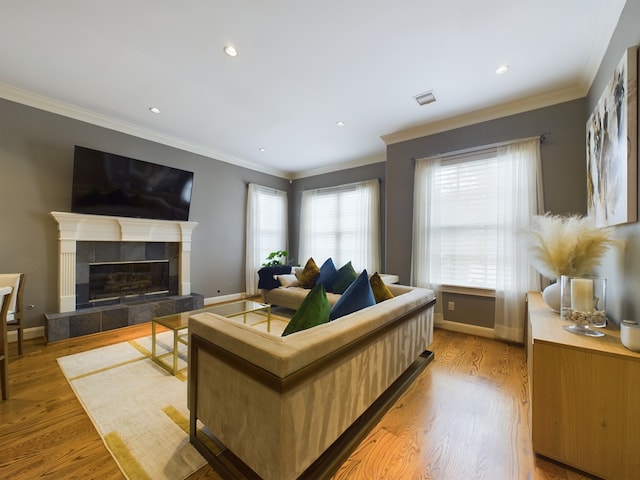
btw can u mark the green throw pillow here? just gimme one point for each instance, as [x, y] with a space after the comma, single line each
[309, 274]
[345, 276]
[314, 310]
[380, 290]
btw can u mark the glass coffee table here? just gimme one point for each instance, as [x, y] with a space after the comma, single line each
[243, 308]
[179, 322]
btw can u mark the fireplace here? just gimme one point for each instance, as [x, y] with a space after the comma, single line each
[126, 235]
[142, 268]
[111, 280]
[108, 273]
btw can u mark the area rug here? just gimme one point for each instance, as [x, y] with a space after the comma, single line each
[137, 407]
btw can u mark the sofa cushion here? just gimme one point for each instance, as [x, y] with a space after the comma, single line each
[345, 276]
[356, 297]
[309, 274]
[380, 290]
[266, 276]
[313, 311]
[291, 297]
[328, 273]
[288, 280]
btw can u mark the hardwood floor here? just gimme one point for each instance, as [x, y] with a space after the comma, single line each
[465, 417]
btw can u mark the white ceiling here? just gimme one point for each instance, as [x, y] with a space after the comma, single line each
[302, 67]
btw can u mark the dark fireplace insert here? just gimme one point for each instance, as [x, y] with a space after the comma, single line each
[113, 280]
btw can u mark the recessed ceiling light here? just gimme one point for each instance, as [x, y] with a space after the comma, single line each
[502, 69]
[231, 51]
[425, 98]
[155, 110]
[262, 149]
[340, 123]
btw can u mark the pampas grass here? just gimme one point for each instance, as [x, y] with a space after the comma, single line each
[570, 246]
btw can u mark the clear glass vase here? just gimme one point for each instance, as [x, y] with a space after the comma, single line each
[583, 302]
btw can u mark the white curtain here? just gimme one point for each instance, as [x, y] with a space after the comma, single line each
[342, 223]
[519, 199]
[518, 196]
[426, 255]
[266, 230]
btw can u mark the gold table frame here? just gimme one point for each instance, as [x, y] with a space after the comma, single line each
[179, 322]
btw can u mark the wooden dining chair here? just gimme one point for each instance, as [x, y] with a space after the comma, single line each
[5, 295]
[14, 318]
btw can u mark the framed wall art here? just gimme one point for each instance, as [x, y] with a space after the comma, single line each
[612, 147]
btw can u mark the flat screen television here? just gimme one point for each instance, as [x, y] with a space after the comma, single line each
[109, 184]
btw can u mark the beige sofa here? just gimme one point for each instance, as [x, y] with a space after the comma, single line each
[278, 403]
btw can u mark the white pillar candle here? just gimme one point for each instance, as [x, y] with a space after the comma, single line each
[581, 294]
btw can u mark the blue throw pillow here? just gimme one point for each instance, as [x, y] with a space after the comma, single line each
[358, 296]
[328, 273]
[265, 276]
[314, 310]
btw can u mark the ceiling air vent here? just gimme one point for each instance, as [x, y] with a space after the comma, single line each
[425, 98]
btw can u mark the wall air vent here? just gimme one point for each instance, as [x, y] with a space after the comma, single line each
[425, 98]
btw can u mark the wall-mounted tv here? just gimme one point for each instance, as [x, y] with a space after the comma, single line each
[109, 184]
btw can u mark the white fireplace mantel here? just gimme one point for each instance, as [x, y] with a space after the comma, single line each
[75, 227]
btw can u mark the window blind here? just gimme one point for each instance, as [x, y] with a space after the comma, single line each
[342, 223]
[467, 187]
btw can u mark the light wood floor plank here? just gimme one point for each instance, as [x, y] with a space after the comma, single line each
[465, 417]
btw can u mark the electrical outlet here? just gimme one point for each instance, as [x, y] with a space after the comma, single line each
[451, 306]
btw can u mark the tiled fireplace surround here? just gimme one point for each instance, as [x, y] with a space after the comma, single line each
[95, 238]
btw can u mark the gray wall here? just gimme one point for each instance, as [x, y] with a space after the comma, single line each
[470, 309]
[36, 161]
[36, 164]
[352, 175]
[563, 167]
[621, 266]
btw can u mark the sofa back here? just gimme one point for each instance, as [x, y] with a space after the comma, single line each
[283, 356]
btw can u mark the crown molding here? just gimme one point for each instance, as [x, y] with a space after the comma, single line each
[51, 105]
[360, 162]
[491, 113]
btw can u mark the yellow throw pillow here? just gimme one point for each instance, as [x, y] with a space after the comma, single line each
[380, 290]
[309, 274]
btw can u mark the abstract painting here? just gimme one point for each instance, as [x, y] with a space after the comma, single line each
[612, 147]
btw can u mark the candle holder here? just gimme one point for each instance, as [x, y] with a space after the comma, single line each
[583, 302]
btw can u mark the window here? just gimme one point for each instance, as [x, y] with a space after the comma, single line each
[467, 230]
[266, 229]
[342, 223]
[470, 210]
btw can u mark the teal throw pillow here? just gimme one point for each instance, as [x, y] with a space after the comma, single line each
[314, 310]
[328, 273]
[345, 276]
[358, 296]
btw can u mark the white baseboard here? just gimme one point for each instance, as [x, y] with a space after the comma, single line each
[465, 328]
[29, 333]
[225, 298]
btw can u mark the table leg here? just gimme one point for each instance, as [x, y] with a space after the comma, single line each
[153, 339]
[269, 318]
[175, 352]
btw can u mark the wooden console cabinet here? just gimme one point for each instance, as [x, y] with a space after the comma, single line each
[585, 396]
